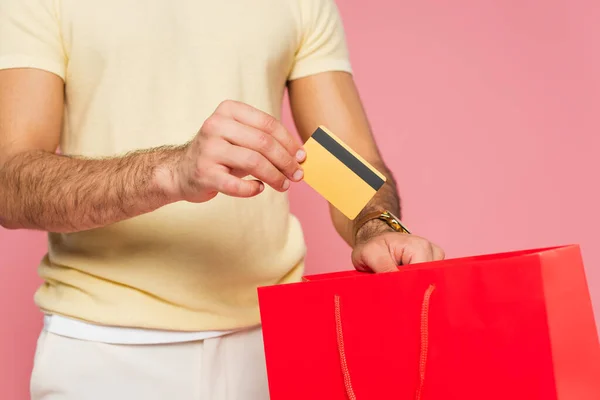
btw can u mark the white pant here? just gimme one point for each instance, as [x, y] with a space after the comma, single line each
[230, 367]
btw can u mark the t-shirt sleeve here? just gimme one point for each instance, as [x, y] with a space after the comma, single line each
[323, 43]
[30, 36]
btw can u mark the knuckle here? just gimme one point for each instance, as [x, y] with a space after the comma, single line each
[290, 143]
[226, 105]
[421, 243]
[269, 123]
[289, 164]
[253, 161]
[440, 251]
[428, 247]
[211, 125]
[265, 143]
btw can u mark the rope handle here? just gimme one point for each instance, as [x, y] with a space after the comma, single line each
[340, 343]
[423, 350]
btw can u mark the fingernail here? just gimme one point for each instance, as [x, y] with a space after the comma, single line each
[286, 184]
[298, 175]
[300, 155]
[261, 187]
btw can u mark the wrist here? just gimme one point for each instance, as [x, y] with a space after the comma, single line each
[370, 229]
[377, 222]
[164, 175]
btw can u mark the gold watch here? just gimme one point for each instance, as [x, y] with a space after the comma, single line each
[385, 216]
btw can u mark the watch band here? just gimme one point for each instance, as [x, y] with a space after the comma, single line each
[386, 216]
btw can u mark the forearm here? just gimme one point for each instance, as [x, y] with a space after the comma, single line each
[55, 193]
[387, 198]
[332, 99]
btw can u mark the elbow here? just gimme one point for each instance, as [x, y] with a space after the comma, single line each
[6, 221]
[8, 224]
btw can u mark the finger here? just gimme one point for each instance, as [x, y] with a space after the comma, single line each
[253, 163]
[262, 121]
[230, 185]
[438, 253]
[374, 258]
[417, 251]
[251, 138]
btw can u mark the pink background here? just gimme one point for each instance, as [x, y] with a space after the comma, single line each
[488, 112]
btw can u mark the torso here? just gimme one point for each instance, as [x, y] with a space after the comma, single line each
[147, 74]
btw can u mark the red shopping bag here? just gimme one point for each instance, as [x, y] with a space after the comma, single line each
[515, 326]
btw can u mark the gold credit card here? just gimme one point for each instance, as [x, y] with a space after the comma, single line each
[340, 175]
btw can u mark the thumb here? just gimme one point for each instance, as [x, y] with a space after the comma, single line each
[374, 257]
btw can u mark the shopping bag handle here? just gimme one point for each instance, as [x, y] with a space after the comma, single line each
[422, 354]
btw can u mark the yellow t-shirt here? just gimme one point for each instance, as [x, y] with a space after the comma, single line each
[145, 74]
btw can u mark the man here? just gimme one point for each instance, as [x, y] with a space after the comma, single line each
[167, 206]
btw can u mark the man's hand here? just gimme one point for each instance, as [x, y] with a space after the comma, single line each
[236, 141]
[68, 193]
[332, 99]
[386, 251]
